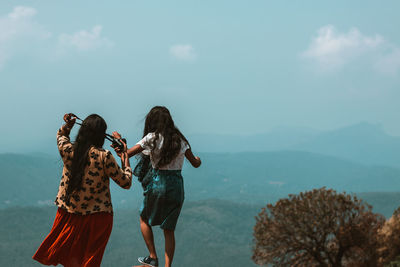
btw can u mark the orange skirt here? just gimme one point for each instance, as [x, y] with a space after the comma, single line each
[76, 240]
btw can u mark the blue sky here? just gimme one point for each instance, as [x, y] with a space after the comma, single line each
[225, 67]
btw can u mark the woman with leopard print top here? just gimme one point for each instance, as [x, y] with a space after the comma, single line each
[84, 217]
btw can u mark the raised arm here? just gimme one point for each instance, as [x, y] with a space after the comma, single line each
[195, 161]
[123, 177]
[63, 142]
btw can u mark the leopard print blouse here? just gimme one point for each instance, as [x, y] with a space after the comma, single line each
[94, 195]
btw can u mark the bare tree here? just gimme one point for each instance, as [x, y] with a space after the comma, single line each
[317, 228]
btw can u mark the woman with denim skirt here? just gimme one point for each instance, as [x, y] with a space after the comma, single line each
[165, 147]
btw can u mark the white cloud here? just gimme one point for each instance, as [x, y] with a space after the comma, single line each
[22, 12]
[331, 49]
[20, 33]
[184, 52]
[17, 26]
[85, 40]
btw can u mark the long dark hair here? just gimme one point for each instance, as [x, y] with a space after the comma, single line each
[91, 133]
[159, 122]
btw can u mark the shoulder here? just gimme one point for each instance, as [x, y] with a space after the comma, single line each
[96, 152]
[147, 139]
[107, 153]
[184, 145]
[99, 149]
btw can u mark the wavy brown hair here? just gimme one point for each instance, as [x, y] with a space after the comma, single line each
[159, 122]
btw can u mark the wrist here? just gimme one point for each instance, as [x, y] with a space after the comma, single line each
[66, 127]
[124, 160]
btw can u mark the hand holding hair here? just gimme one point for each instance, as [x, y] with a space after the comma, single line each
[69, 119]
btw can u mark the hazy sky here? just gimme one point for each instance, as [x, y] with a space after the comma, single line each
[236, 67]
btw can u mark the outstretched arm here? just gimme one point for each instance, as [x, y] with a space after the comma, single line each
[195, 161]
[131, 151]
[134, 150]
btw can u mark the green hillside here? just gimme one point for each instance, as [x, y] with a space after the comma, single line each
[209, 233]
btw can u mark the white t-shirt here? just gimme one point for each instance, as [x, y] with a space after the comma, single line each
[147, 143]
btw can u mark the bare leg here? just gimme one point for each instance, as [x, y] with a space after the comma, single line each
[148, 237]
[169, 236]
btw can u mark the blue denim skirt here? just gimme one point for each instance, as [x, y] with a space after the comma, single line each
[163, 198]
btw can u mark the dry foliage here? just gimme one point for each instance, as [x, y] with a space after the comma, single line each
[389, 237]
[317, 228]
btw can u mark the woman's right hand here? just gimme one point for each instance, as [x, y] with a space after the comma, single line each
[120, 150]
[195, 161]
[116, 135]
[198, 160]
[69, 119]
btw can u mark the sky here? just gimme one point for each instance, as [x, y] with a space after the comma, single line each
[221, 67]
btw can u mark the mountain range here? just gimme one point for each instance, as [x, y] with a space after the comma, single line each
[363, 142]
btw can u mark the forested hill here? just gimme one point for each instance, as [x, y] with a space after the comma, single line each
[209, 233]
[241, 177]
